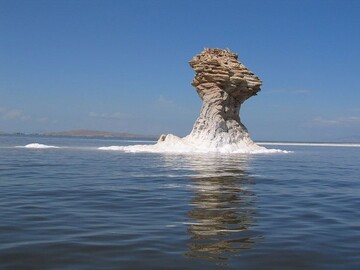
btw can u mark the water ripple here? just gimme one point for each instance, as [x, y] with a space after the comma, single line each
[82, 208]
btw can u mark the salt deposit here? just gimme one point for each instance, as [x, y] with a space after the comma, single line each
[38, 146]
[187, 145]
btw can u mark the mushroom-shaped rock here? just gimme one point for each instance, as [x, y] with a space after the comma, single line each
[223, 83]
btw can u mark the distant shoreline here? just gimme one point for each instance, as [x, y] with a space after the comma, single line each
[125, 135]
[87, 134]
[335, 144]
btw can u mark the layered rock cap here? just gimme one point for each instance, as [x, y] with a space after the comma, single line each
[219, 70]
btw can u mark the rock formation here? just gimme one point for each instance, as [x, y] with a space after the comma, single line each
[223, 83]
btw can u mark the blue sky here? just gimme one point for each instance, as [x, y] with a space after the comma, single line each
[123, 65]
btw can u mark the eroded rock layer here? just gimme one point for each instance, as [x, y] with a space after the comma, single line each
[224, 84]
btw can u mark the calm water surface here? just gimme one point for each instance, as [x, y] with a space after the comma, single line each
[77, 207]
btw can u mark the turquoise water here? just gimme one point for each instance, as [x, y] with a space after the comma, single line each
[77, 207]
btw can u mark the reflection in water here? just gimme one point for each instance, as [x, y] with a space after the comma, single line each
[222, 208]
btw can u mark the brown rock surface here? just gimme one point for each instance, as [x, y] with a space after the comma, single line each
[223, 83]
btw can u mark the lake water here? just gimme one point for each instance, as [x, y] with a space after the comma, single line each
[77, 207]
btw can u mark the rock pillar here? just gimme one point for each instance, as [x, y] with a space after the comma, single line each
[223, 83]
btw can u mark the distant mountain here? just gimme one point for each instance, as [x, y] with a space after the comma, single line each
[95, 133]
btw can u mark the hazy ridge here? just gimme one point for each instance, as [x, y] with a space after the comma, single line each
[87, 133]
[95, 133]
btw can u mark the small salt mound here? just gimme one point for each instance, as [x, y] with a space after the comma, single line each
[37, 146]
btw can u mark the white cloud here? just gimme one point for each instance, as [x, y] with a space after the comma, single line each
[11, 114]
[114, 115]
[19, 115]
[43, 119]
[170, 105]
[165, 101]
[290, 91]
[339, 121]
